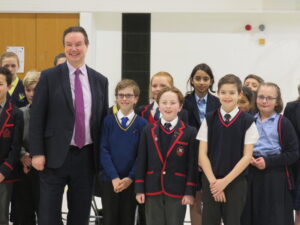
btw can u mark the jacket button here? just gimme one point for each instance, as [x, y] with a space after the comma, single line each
[164, 172]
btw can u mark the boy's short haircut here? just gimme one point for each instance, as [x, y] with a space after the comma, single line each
[9, 55]
[57, 57]
[255, 77]
[174, 90]
[231, 79]
[31, 77]
[8, 75]
[128, 83]
[279, 107]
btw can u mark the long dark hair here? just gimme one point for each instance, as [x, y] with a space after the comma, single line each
[205, 68]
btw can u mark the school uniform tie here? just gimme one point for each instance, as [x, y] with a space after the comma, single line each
[124, 122]
[167, 126]
[201, 104]
[156, 114]
[79, 136]
[227, 118]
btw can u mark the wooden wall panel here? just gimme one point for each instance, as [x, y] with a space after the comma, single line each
[50, 28]
[40, 34]
[19, 30]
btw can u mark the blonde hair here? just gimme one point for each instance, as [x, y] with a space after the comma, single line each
[31, 77]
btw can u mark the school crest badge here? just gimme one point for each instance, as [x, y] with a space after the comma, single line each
[180, 151]
[6, 133]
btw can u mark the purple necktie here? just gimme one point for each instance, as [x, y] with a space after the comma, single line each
[79, 137]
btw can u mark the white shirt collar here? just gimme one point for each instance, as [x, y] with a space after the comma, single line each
[232, 113]
[173, 122]
[130, 116]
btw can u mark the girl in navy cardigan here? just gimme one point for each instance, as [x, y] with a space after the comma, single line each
[197, 103]
[118, 152]
[269, 179]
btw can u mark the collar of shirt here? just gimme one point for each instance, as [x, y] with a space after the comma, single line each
[232, 113]
[73, 69]
[130, 116]
[204, 98]
[271, 118]
[173, 122]
[154, 107]
[13, 86]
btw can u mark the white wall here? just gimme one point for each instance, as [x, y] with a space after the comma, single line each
[108, 48]
[145, 5]
[179, 41]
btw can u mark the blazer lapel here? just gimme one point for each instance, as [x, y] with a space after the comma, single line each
[156, 141]
[297, 112]
[195, 107]
[210, 103]
[5, 116]
[67, 86]
[176, 136]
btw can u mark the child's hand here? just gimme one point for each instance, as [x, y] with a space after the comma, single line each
[218, 186]
[187, 200]
[26, 169]
[124, 183]
[221, 197]
[260, 163]
[140, 197]
[2, 177]
[253, 161]
[26, 160]
[38, 162]
[116, 184]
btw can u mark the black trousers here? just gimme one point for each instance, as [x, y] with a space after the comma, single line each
[118, 208]
[27, 198]
[231, 210]
[78, 173]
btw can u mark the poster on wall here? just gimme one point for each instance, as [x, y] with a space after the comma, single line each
[20, 52]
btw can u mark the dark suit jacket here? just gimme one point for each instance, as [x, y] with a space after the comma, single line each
[52, 114]
[175, 175]
[190, 105]
[11, 130]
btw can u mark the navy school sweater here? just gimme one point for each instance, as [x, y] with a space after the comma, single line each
[118, 148]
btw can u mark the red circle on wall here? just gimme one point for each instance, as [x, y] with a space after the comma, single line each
[248, 27]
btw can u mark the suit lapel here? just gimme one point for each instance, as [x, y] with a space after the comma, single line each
[67, 86]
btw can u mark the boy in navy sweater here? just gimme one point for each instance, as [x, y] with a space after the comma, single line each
[227, 136]
[11, 128]
[118, 153]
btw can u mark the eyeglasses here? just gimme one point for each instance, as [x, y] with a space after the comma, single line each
[127, 96]
[268, 99]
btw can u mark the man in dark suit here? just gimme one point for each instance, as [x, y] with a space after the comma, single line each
[69, 104]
